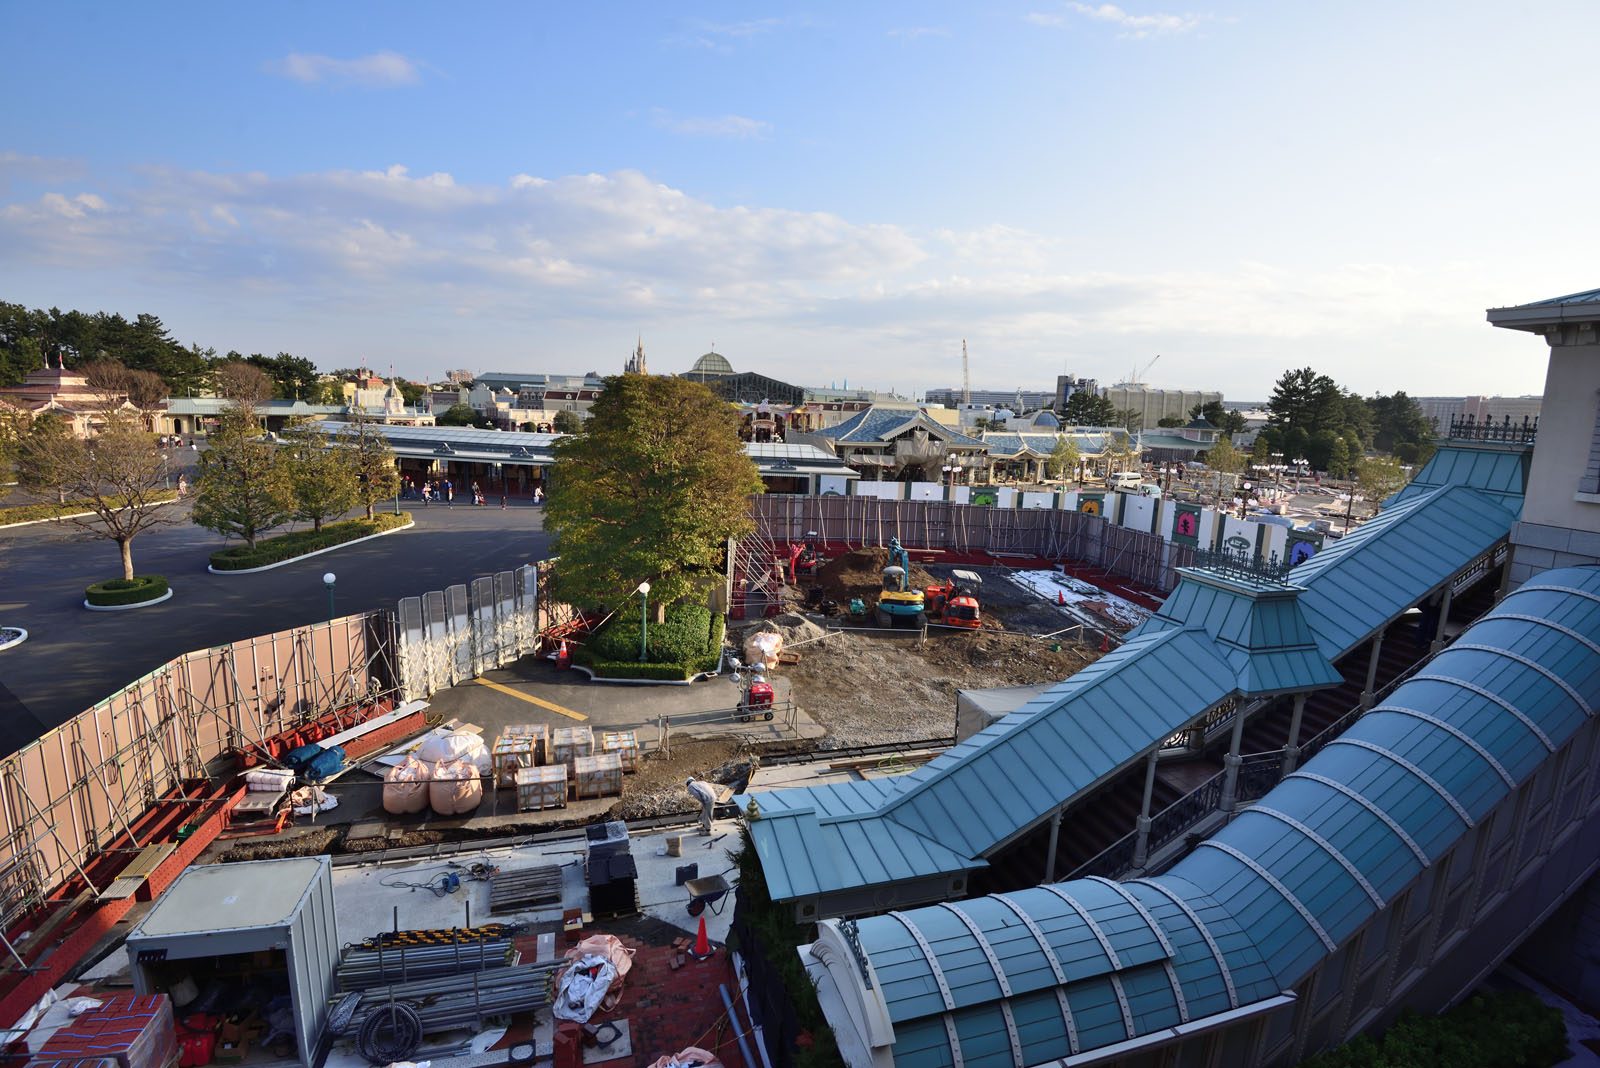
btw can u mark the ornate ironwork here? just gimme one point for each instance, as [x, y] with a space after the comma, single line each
[852, 938]
[1177, 818]
[1468, 428]
[1112, 861]
[1243, 564]
[1258, 775]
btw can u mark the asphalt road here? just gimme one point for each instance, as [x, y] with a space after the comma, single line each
[74, 657]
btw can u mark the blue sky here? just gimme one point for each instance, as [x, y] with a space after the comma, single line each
[827, 193]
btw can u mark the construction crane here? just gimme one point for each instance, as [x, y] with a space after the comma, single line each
[1133, 379]
[966, 377]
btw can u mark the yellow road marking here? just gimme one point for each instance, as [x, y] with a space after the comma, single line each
[569, 713]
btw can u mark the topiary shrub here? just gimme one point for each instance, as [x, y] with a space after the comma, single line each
[114, 592]
[1513, 1029]
[687, 643]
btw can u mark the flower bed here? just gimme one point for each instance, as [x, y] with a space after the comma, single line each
[688, 643]
[30, 513]
[287, 547]
[117, 592]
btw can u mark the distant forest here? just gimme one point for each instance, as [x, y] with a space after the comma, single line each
[29, 338]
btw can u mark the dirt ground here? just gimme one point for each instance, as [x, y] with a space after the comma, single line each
[860, 574]
[873, 689]
[657, 788]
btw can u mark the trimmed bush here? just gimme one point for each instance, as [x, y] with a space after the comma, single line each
[288, 546]
[689, 642]
[115, 592]
[28, 513]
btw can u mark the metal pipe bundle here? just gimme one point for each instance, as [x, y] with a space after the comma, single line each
[449, 1002]
[361, 967]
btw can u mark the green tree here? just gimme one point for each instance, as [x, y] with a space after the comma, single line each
[321, 474]
[1396, 420]
[1063, 458]
[1130, 419]
[1085, 408]
[243, 490]
[566, 422]
[413, 392]
[463, 415]
[1378, 478]
[1224, 457]
[293, 377]
[377, 478]
[1321, 448]
[1261, 451]
[650, 491]
[1229, 422]
[1305, 400]
[1339, 458]
[119, 475]
[1170, 421]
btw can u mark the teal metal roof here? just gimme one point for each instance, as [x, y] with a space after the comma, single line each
[1341, 836]
[1047, 972]
[947, 814]
[1362, 581]
[1257, 627]
[1500, 470]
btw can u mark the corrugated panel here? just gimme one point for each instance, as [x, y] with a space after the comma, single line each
[1040, 1026]
[1097, 1012]
[1498, 470]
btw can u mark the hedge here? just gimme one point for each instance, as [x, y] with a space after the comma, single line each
[28, 513]
[114, 592]
[288, 546]
[1506, 1030]
[688, 643]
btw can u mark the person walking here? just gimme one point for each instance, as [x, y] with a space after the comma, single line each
[449, 494]
[706, 794]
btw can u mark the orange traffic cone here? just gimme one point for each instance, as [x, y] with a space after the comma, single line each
[1061, 598]
[702, 945]
[1105, 642]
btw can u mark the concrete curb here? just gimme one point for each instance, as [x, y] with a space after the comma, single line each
[645, 682]
[74, 515]
[127, 607]
[318, 552]
[22, 637]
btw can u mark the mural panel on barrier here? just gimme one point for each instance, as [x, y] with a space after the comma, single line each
[982, 496]
[1092, 503]
[1186, 524]
[1303, 545]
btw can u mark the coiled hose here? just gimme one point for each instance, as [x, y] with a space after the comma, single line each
[400, 1029]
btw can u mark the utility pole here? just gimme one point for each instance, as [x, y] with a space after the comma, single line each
[966, 377]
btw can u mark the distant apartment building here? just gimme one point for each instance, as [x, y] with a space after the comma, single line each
[1066, 386]
[1155, 405]
[1444, 410]
[1016, 399]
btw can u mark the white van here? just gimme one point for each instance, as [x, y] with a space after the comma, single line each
[1124, 480]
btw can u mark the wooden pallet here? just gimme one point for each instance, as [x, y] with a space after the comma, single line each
[134, 875]
[512, 891]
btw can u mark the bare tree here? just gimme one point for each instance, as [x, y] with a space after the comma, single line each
[242, 383]
[115, 383]
[118, 476]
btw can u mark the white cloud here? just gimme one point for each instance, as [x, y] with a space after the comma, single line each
[1133, 26]
[17, 166]
[380, 70]
[720, 36]
[566, 259]
[733, 126]
[911, 33]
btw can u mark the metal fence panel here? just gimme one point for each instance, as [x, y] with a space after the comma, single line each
[440, 656]
[507, 647]
[485, 654]
[460, 627]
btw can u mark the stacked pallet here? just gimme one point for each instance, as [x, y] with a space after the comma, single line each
[625, 744]
[597, 776]
[569, 743]
[510, 753]
[541, 788]
[512, 891]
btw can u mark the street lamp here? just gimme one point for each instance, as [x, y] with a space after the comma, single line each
[327, 580]
[644, 617]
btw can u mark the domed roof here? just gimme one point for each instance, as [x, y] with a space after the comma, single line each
[712, 363]
[1046, 419]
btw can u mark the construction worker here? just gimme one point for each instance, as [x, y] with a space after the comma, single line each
[706, 794]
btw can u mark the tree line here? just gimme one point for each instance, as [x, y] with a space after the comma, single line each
[34, 338]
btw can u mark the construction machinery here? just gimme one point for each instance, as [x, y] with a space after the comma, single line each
[954, 602]
[805, 557]
[899, 604]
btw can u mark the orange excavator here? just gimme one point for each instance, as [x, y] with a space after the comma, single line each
[954, 602]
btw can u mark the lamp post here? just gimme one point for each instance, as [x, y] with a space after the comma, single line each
[644, 617]
[327, 580]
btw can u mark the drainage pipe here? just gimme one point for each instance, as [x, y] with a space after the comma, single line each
[738, 1032]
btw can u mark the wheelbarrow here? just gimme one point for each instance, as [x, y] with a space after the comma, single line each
[708, 891]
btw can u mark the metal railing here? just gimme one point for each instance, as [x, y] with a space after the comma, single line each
[1468, 428]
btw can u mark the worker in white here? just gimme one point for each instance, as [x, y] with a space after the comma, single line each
[706, 794]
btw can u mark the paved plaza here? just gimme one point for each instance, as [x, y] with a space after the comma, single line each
[74, 657]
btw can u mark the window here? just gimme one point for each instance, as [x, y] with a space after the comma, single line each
[1330, 980]
[1375, 943]
[1421, 898]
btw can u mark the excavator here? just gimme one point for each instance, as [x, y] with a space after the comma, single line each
[954, 602]
[900, 604]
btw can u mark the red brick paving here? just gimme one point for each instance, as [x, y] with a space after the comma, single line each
[666, 1009]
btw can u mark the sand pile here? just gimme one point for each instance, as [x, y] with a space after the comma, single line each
[860, 574]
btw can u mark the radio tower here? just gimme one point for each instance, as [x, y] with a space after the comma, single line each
[966, 377]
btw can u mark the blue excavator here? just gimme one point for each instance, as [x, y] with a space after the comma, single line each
[899, 604]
